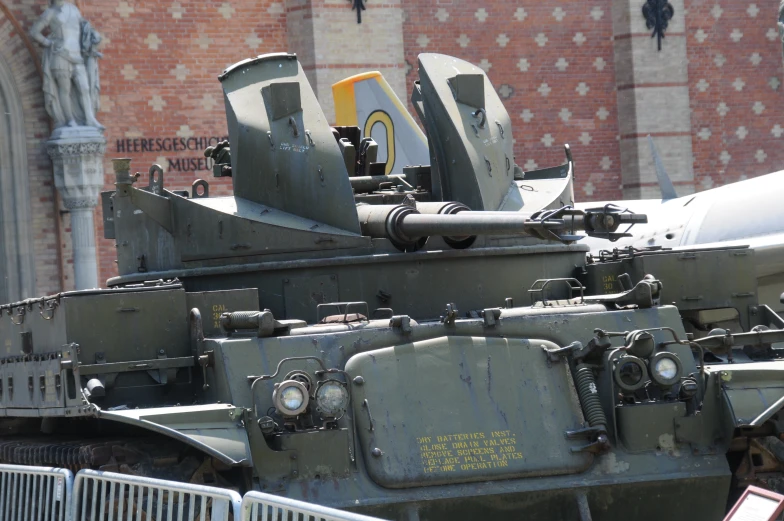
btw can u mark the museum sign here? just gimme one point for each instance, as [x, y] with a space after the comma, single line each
[172, 144]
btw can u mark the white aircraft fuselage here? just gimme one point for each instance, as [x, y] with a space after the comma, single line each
[749, 212]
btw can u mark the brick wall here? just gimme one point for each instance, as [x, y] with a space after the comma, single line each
[159, 77]
[16, 56]
[735, 72]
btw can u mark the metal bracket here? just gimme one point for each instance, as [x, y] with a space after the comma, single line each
[136, 365]
[47, 308]
[449, 315]
[20, 312]
[600, 442]
[556, 355]
[206, 360]
[491, 316]
[156, 180]
[163, 375]
[539, 286]
[644, 294]
[401, 324]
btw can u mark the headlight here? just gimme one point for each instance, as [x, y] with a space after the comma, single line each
[665, 368]
[331, 398]
[290, 398]
[630, 373]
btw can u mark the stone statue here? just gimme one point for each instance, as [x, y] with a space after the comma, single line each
[70, 65]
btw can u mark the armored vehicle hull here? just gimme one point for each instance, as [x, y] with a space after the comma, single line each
[429, 345]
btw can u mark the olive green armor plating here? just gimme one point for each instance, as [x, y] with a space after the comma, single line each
[431, 345]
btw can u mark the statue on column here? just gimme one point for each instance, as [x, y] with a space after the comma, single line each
[70, 65]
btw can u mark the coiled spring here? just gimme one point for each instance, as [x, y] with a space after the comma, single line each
[240, 320]
[589, 399]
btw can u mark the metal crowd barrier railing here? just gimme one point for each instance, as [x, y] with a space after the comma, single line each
[35, 493]
[50, 494]
[100, 496]
[258, 506]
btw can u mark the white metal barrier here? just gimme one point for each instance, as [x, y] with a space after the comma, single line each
[51, 494]
[258, 506]
[106, 496]
[35, 493]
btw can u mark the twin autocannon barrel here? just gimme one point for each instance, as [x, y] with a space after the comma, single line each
[409, 226]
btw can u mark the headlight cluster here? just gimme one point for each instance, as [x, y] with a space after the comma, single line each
[292, 398]
[640, 365]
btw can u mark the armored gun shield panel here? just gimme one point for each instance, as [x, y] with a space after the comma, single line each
[495, 410]
[282, 143]
[470, 134]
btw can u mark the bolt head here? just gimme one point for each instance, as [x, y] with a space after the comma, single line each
[358, 380]
[376, 452]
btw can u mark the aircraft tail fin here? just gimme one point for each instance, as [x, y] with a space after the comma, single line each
[367, 101]
[665, 183]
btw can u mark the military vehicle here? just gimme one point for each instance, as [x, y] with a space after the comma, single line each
[426, 345]
[703, 219]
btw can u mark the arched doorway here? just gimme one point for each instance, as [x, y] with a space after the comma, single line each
[17, 269]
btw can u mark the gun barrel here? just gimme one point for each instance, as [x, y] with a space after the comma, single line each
[408, 229]
[470, 223]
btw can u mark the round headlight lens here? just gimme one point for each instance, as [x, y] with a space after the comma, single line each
[332, 398]
[630, 373]
[665, 368]
[290, 398]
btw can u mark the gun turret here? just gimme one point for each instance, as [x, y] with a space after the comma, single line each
[307, 196]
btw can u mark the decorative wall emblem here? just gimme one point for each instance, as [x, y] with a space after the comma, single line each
[658, 14]
[359, 6]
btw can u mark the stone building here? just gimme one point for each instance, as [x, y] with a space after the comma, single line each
[583, 72]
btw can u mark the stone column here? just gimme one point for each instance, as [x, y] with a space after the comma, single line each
[77, 157]
[653, 98]
[331, 45]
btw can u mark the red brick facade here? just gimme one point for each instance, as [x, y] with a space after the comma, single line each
[735, 76]
[50, 273]
[552, 63]
[160, 87]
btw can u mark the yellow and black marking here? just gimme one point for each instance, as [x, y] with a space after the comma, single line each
[468, 451]
[380, 116]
